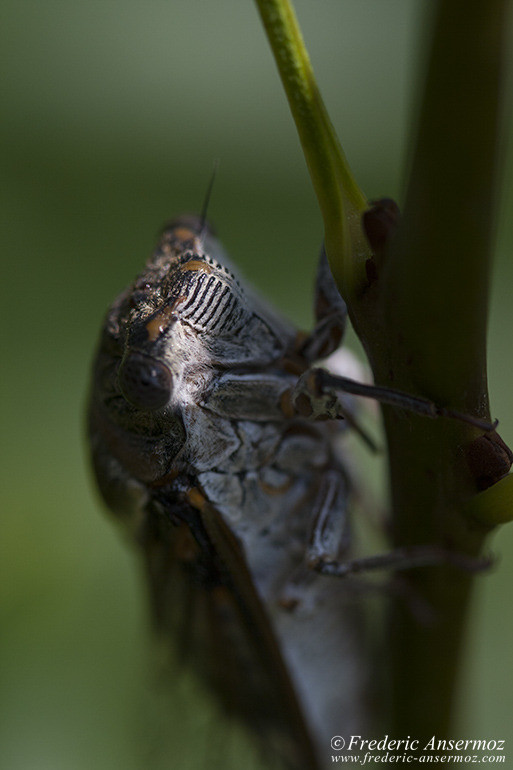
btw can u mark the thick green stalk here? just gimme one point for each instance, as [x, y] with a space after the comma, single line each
[433, 304]
[422, 321]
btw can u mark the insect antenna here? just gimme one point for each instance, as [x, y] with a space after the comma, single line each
[206, 200]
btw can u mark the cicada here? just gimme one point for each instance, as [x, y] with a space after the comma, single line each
[216, 440]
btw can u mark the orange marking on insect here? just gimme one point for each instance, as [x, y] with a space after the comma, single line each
[196, 264]
[196, 499]
[160, 322]
[301, 338]
[286, 405]
[289, 602]
[167, 479]
[294, 364]
[184, 233]
[186, 549]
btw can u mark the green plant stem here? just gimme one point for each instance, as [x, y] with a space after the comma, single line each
[340, 199]
[422, 321]
[424, 328]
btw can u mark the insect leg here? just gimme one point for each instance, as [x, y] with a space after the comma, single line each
[379, 223]
[330, 313]
[259, 396]
[403, 559]
[330, 537]
[330, 534]
[317, 395]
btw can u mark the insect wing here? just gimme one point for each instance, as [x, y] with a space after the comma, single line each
[203, 596]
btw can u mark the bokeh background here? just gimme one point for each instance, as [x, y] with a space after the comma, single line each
[112, 115]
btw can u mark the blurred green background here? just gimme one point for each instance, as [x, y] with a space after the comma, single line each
[112, 115]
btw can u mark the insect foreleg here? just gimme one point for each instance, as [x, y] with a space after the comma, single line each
[251, 396]
[317, 395]
[330, 313]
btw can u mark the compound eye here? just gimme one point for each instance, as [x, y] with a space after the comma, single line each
[145, 382]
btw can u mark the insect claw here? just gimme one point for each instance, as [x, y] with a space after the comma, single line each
[470, 564]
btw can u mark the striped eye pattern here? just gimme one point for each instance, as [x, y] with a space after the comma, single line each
[213, 305]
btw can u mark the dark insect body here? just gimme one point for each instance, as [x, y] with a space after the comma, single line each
[217, 443]
[204, 443]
